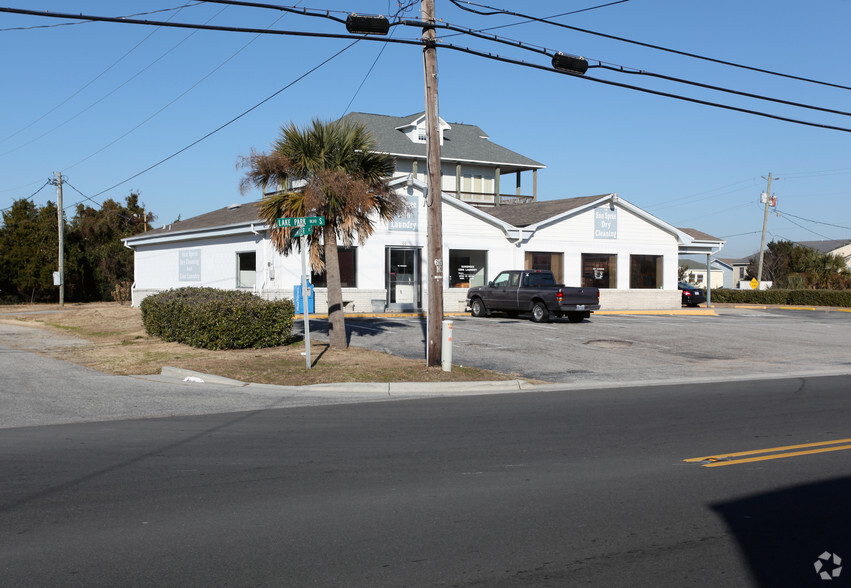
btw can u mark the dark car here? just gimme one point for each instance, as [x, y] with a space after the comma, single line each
[691, 296]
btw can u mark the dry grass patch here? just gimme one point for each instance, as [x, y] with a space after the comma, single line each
[118, 344]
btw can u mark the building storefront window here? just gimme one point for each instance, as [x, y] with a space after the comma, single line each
[348, 267]
[246, 269]
[542, 260]
[599, 270]
[645, 271]
[467, 268]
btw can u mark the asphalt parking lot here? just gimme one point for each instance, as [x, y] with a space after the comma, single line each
[617, 349]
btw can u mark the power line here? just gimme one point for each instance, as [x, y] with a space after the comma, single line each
[820, 173]
[786, 214]
[642, 44]
[181, 95]
[741, 234]
[231, 121]
[291, 9]
[809, 230]
[419, 42]
[94, 79]
[621, 69]
[31, 196]
[114, 90]
[402, 9]
[649, 91]
[65, 24]
[625, 70]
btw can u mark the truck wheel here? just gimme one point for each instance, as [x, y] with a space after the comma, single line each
[477, 308]
[540, 314]
[575, 317]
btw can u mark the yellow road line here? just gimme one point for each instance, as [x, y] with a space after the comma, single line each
[775, 456]
[724, 458]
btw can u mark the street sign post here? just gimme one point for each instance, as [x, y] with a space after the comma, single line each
[303, 226]
[301, 221]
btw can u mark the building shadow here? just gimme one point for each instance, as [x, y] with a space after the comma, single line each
[789, 537]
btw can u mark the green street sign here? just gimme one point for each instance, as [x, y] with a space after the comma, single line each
[301, 221]
[301, 231]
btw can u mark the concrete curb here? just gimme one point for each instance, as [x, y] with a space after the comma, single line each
[169, 373]
[386, 390]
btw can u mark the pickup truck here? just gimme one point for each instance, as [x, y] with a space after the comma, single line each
[533, 291]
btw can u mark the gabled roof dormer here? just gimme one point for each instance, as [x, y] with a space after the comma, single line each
[415, 130]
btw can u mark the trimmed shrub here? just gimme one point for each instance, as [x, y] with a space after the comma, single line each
[218, 319]
[840, 298]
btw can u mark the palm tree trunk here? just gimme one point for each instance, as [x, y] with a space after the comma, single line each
[336, 321]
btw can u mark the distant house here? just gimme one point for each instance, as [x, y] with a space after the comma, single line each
[721, 273]
[601, 240]
[739, 272]
[841, 247]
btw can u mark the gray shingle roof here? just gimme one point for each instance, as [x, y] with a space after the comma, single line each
[825, 246]
[229, 215]
[462, 142]
[523, 215]
[699, 235]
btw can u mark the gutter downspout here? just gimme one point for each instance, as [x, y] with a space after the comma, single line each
[259, 289]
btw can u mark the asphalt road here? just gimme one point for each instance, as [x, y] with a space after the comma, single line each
[562, 488]
[616, 349]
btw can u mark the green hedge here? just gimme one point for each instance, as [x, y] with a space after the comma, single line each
[218, 319]
[791, 297]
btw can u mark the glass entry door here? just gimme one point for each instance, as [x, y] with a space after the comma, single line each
[404, 288]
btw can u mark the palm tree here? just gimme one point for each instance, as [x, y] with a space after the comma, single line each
[337, 174]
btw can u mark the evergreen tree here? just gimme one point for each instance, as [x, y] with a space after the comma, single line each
[29, 251]
[95, 259]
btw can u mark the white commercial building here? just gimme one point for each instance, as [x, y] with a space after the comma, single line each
[601, 241]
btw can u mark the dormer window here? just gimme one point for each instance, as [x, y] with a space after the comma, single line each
[415, 130]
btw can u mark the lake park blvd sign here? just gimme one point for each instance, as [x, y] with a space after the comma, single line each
[301, 221]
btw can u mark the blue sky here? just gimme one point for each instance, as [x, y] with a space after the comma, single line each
[102, 102]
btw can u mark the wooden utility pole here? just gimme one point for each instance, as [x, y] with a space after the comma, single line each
[764, 223]
[61, 224]
[434, 200]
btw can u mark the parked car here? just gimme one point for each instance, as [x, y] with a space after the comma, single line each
[533, 291]
[691, 296]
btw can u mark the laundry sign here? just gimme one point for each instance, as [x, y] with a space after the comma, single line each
[605, 223]
[189, 265]
[408, 220]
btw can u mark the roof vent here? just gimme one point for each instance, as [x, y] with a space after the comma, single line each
[234, 205]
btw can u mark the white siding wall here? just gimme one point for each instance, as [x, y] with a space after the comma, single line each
[157, 266]
[635, 236]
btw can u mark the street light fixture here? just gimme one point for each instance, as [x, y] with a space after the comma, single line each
[570, 63]
[360, 24]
